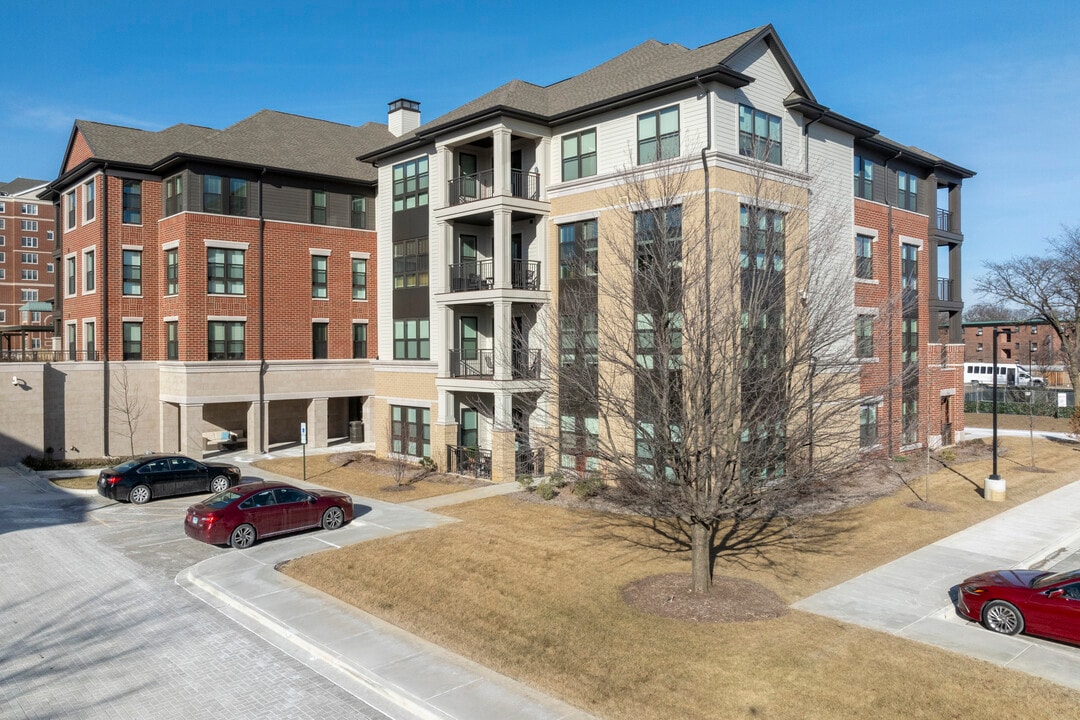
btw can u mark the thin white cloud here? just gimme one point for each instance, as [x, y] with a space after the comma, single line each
[55, 117]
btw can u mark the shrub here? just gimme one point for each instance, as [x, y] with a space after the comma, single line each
[947, 455]
[557, 479]
[588, 486]
[525, 481]
[546, 490]
[428, 464]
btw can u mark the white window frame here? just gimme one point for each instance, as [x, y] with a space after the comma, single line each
[69, 210]
[88, 187]
[72, 262]
[28, 209]
[87, 251]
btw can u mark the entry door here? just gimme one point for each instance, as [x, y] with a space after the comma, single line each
[470, 271]
[467, 176]
[946, 422]
[517, 264]
[469, 433]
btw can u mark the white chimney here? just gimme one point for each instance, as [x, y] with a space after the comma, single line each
[404, 116]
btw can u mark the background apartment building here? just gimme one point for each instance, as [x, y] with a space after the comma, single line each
[26, 270]
[500, 211]
[210, 281]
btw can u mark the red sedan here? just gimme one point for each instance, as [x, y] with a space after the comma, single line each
[1035, 602]
[243, 514]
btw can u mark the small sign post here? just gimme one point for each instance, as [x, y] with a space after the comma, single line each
[303, 446]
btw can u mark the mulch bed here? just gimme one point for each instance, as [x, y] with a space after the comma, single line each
[729, 600]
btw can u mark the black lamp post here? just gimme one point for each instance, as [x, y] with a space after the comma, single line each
[995, 485]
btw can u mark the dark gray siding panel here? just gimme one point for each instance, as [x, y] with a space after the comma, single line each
[289, 204]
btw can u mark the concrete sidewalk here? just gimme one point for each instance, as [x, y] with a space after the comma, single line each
[912, 597]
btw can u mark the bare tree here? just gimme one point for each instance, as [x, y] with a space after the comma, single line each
[126, 402]
[994, 312]
[708, 370]
[1046, 287]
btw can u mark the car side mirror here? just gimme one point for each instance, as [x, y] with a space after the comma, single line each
[1055, 593]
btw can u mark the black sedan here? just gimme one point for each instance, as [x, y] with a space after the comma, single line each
[154, 476]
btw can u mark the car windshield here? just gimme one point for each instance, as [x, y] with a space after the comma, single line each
[222, 499]
[1054, 578]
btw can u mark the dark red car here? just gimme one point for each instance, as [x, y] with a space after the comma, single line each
[241, 515]
[1035, 602]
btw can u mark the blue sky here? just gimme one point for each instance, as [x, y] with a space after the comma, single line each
[991, 86]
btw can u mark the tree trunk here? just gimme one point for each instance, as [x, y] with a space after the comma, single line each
[701, 557]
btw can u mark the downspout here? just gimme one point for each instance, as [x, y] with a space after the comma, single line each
[263, 413]
[105, 306]
[892, 318]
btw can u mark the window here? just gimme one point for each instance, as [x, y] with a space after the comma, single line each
[89, 340]
[658, 237]
[88, 271]
[318, 207]
[909, 340]
[69, 274]
[225, 271]
[909, 267]
[132, 272]
[1033, 347]
[29, 258]
[359, 340]
[29, 242]
[320, 340]
[3, 315]
[359, 279]
[411, 339]
[211, 195]
[907, 186]
[172, 343]
[578, 338]
[3, 272]
[69, 210]
[864, 178]
[760, 135]
[579, 443]
[88, 201]
[133, 341]
[28, 209]
[868, 425]
[410, 432]
[658, 135]
[978, 347]
[132, 202]
[28, 295]
[226, 340]
[48, 234]
[410, 263]
[650, 354]
[864, 259]
[174, 195]
[411, 184]
[358, 214]
[30, 275]
[579, 154]
[577, 249]
[318, 276]
[978, 331]
[864, 336]
[238, 194]
[30, 225]
[172, 271]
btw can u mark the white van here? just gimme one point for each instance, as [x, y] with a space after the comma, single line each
[983, 373]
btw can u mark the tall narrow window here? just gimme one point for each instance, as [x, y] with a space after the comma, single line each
[359, 340]
[132, 202]
[907, 190]
[864, 178]
[864, 336]
[90, 339]
[577, 249]
[133, 341]
[212, 194]
[88, 271]
[579, 155]
[238, 192]
[174, 195]
[909, 267]
[69, 274]
[172, 271]
[868, 430]
[318, 207]
[132, 272]
[320, 340]
[760, 135]
[69, 210]
[359, 279]
[318, 276]
[358, 215]
[172, 341]
[864, 261]
[658, 135]
[89, 205]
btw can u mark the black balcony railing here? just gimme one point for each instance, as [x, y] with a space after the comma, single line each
[529, 461]
[525, 274]
[944, 220]
[472, 275]
[481, 185]
[39, 355]
[525, 364]
[944, 289]
[472, 363]
[468, 461]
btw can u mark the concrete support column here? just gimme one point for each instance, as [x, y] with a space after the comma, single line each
[543, 163]
[503, 456]
[501, 138]
[367, 414]
[501, 247]
[257, 436]
[316, 422]
[444, 173]
[444, 338]
[502, 342]
[443, 435]
[192, 442]
[169, 427]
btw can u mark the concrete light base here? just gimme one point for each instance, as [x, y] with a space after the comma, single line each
[994, 489]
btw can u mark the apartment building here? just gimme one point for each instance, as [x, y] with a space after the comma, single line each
[26, 269]
[216, 287]
[505, 217]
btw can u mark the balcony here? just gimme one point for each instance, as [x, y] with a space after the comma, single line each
[945, 220]
[472, 275]
[481, 186]
[525, 274]
[480, 364]
[468, 461]
[944, 289]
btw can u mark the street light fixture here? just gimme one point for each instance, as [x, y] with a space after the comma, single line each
[994, 487]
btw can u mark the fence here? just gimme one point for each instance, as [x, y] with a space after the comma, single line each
[1039, 401]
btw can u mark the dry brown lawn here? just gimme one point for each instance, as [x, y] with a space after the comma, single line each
[86, 482]
[534, 591]
[364, 475]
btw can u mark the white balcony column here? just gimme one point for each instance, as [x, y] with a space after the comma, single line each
[540, 253]
[543, 162]
[439, 276]
[502, 342]
[501, 247]
[444, 341]
[504, 403]
[442, 173]
[446, 407]
[501, 137]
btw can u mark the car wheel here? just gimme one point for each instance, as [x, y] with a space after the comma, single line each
[139, 494]
[333, 518]
[1003, 617]
[219, 483]
[242, 537]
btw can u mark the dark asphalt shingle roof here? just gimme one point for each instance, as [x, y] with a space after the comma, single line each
[20, 185]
